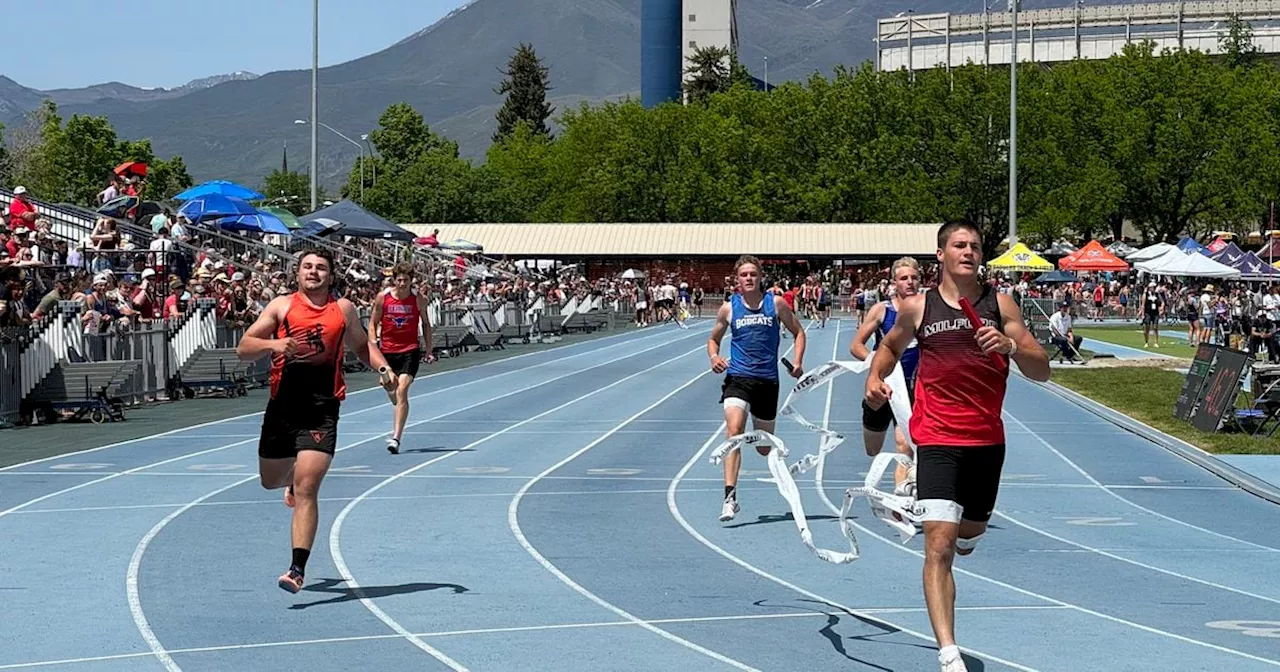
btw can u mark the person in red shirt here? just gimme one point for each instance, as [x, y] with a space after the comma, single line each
[393, 325]
[306, 334]
[22, 212]
[956, 418]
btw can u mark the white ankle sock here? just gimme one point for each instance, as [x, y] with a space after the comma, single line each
[947, 652]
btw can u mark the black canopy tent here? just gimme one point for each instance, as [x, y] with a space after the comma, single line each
[358, 222]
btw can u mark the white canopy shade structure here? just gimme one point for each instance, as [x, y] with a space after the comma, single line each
[1152, 252]
[1176, 262]
[632, 274]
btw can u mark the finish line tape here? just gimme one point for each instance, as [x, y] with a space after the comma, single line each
[898, 511]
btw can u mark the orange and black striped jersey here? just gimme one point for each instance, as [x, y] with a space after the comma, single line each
[313, 375]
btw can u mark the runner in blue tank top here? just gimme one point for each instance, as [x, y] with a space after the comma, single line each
[754, 319]
[880, 318]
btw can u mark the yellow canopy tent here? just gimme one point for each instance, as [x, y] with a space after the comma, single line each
[1020, 258]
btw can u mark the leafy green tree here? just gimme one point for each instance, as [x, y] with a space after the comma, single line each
[526, 89]
[290, 190]
[1237, 45]
[421, 177]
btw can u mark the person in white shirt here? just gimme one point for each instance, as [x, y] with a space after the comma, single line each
[1208, 300]
[1062, 334]
[1271, 303]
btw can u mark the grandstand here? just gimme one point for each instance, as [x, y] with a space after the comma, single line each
[925, 41]
[133, 312]
[72, 361]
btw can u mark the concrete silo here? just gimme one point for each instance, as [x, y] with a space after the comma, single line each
[660, 51]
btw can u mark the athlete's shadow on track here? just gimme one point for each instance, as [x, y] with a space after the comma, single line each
[438, 449]
[837, 640]
[776, 518]
[345, 594]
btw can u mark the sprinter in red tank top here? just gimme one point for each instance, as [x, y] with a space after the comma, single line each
[955, 421]
[397, 312]
[304, 333]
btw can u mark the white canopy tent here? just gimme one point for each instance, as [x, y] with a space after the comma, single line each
[1176, 262]
[1149, 253]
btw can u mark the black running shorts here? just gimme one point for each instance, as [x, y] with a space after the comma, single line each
[760, 395]
[968, 476]
[287, 431]
[877, 420]
[404, 363]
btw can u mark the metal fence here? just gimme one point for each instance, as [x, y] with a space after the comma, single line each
[10, 375]
[155, 345]
[145, 343]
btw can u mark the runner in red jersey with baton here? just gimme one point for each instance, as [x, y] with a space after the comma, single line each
[956, 419]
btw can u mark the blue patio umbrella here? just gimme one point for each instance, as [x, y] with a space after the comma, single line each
[220, 188]
[215, 206]
[260, 221]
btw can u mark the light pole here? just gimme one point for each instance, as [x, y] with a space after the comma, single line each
[315, 75]
[358, 146]
[365, 137]
[1013, 127]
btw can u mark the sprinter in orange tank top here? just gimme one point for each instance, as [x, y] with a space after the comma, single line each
[305, 333]
[397, 312]
[955, 419]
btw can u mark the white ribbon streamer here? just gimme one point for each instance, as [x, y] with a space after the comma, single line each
[898, 511]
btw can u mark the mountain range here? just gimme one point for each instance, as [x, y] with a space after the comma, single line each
[235, 126]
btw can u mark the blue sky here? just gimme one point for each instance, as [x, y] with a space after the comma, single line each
[177, 41]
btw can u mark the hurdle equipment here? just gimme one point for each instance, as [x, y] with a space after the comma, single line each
[900, 511]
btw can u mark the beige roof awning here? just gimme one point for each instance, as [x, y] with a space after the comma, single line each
[692, 240]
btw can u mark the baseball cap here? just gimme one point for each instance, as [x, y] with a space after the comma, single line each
[19, 190]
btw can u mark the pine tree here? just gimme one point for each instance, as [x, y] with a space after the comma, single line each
[709, 72]
[526, 89]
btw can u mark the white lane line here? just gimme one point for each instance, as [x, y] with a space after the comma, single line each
[127, 472]
[1003, 484]
[487, 631]
[513, 512]
[335, 532]
[135, 565]
[179, 458]
[1107, 489]
[1030, 593]
[131, 581]
[858, 613]
[368, 389]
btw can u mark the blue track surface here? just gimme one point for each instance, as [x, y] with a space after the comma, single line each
[556, 511]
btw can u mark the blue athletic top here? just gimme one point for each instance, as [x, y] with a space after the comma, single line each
[911, 356]
[753, 350]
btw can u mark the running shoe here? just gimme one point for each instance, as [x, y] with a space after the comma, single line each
[952, 662]
[291, 580]
[393, 446]
[730, 509]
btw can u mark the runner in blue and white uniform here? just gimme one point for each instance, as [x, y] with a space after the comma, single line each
[879, 320]
[753, 318]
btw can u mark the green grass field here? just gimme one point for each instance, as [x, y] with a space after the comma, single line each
[1131, 335]
[1148, 395]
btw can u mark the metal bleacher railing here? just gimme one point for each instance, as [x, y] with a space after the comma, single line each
[69, 358]
[62, 363]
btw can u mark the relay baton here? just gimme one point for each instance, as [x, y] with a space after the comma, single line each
[976, 321]
[384, 375]
[790, 367]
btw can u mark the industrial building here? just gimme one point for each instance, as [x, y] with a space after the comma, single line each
[670, 32]
[923, 41]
